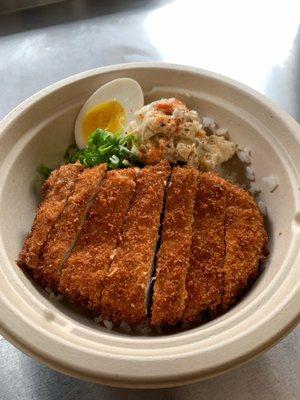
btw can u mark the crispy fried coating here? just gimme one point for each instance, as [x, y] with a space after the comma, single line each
[154, 154]
[245, 239]
[124, 297]
[228, 245]
[85, 270]
[173, 257]
[68, 226]
[56, 191]
[204, 280]
[94, 238]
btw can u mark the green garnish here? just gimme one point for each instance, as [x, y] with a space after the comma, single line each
[71, 150]
[44, 171]
[106, 147]
[117, 151]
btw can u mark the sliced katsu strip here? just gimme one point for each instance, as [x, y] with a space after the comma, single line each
[56, 191]
[245, 239]
[173, 257]
[124, 297]
[85, 270]
[64, 233]
[204, 280]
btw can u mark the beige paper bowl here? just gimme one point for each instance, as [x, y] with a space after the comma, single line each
[40, 129]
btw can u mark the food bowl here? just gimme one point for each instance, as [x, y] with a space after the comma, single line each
[57, 334]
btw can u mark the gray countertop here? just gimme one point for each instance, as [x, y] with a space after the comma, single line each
[256, 42]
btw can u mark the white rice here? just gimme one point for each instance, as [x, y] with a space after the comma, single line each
[262, 206]
[54, 297]
[108, 324]
[98, 319]
[222, 132]
[254, 189]
[185, 325]
[158, 329]
[143, 329]
[146, 330]
[250, 174]
[248, 151]
[208, 122]
[271, 182]
[125, 327]
[244, 156]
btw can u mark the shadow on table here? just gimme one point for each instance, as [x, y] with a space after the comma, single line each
[69, 11]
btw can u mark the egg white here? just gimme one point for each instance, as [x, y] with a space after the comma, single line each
[126, 91]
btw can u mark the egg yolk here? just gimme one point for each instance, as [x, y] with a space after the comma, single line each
[109, 116]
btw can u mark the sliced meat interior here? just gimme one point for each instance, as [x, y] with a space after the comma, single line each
[124, 297]
[56, 191]
[84, 273]
[173, 257]
[65, 231]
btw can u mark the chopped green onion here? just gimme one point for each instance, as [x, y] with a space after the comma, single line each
[106, 147]
[44, 170]
[114, 162]
[69, 153]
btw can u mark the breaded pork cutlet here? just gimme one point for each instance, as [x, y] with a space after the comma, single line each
[204, 280]
[245, 240]
[55, 191]
[125, 293]
[85, 270]
[173, 257]
[228, 245]
[65, 231]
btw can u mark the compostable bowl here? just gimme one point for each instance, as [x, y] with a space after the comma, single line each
[54, 333]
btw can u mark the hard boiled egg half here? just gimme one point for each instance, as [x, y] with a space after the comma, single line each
[111, 108]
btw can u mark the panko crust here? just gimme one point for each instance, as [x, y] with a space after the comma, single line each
[204, 280]
[173, 257]
[84, 274]
[124, 297]
[65, 231]
[228, 246]
[55, 191]
[245, 243]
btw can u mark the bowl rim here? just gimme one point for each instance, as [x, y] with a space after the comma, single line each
[261, 336]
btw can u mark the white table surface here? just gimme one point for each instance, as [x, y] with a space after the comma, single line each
[256, 42]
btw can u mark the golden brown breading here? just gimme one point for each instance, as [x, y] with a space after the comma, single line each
[245, 238]
[228, 245]
[68, 226]
[124, 297]
[85, 270]
[245, 241]
[56, 191]
[238, 197]
[173, 257]
[204, 280]
[153, 155]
